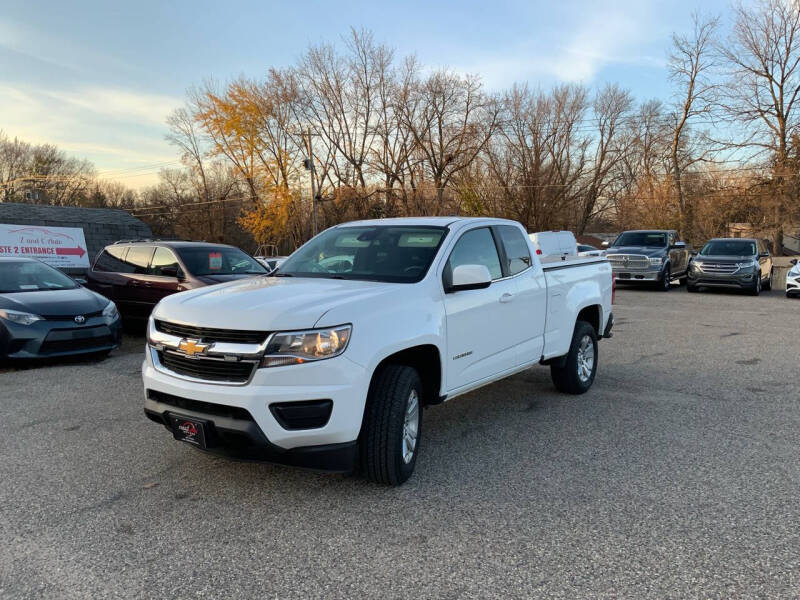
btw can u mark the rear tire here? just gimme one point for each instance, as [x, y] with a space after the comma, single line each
[392, 428]
[576, 375]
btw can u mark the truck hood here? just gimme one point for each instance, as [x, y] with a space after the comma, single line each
[643, 250]
[266, 303]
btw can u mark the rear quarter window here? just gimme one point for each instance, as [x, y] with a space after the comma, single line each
[112, 260]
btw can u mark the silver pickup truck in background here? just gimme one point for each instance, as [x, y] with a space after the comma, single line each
[654, 257]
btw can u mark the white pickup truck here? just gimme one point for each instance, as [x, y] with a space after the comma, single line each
[328, 362]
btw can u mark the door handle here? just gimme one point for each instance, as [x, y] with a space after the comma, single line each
[506, 297]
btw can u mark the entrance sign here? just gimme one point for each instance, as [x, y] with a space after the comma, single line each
[61, 247]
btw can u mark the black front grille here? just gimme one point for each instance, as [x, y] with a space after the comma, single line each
[218, 410]
[210, 334]
[207, 368]
[54, 346]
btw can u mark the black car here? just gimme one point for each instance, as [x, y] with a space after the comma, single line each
[45, 313]
[137, 275]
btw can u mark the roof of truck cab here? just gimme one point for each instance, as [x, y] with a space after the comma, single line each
[424, 221]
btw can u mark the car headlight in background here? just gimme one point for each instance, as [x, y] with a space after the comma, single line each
[110, 310]
[655, 262]
[21, 318]
[297, 347]
[747, 264]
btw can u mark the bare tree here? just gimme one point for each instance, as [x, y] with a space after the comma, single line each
[451, 121]
[690, 63]
[763, 60]
[610, 107]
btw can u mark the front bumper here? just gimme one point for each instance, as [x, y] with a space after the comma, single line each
[263, 434]
[722, 280]
[631, 276]
[53, 338]
[792, 285]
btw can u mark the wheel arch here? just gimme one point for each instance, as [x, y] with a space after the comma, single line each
[426, 360]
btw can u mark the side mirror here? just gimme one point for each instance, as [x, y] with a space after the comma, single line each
[793, 261]
[679, 245]
[604, 244]
[763, 255]
[171, 272]
[470, 277]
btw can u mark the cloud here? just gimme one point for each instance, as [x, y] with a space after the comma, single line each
[584, 42]
[120, 131]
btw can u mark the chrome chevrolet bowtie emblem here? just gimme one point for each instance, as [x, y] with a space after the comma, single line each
[192, 347]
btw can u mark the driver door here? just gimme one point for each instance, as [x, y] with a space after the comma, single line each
[481, 324]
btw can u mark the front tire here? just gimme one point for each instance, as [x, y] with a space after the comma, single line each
[392, 428]
[666, 280]
[756, 289]
[768, 284]
[576, 374]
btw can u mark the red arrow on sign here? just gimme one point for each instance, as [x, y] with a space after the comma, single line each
[71, 251]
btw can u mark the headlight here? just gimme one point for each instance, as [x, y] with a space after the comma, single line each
[693, 266]
[794, 271]
[297, 347]
[110, 310]
[748, 264]
[655, 262]
[21, 318]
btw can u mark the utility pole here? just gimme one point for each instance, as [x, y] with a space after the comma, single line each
[309, 165]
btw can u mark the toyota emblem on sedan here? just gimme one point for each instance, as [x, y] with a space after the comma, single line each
[80, 319]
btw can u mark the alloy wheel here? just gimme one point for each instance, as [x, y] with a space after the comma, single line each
[585, 358]
[411, 426]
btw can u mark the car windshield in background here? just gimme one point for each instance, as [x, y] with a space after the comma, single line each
[729, 248]
[391, 253]
[32, 276]
[641, 238]
[217, 260]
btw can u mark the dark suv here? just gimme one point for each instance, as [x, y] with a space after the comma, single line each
[741, 263]
[136, 275]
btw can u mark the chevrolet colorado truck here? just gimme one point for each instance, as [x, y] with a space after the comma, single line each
[649, 256]
[328, 362]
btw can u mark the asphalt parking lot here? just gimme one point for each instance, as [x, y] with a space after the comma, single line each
[677, 475]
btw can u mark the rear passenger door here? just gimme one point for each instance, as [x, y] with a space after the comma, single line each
[530, 302]
[482, 328]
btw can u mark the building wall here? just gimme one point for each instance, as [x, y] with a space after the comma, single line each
[101, 226]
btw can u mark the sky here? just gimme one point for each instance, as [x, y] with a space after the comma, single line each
[98, 79]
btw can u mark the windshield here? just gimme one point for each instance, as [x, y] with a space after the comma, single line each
[219, 260]
[391, 253]
[32, 276]
[654, 239]
[729, 248]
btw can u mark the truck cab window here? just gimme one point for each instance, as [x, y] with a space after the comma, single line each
[475, 247]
